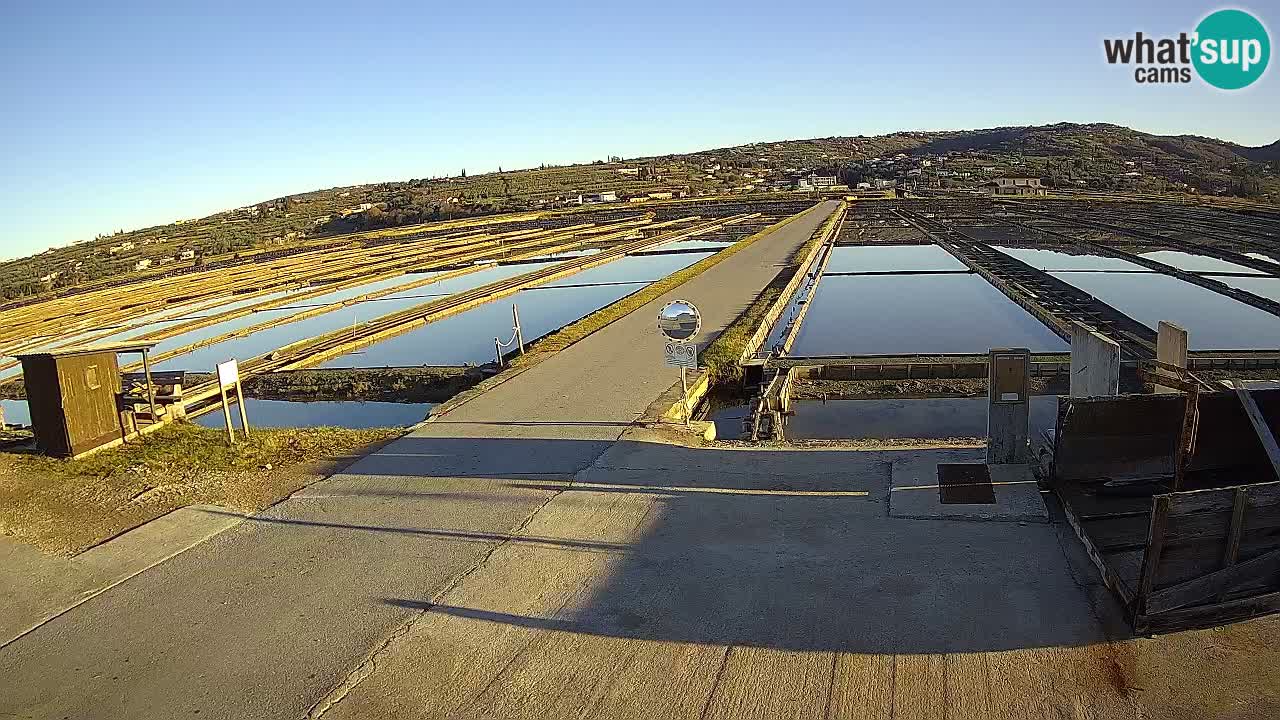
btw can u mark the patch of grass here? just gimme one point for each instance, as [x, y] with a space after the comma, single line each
[66, 505]
[722, 355]
[186, 446]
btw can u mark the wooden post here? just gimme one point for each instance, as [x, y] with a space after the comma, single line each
[1095, 363]
[1171, 348]
[1151, 557]
[497, 350]
[684, 396]
[244, 416]
[226, 415]
[1187, 440]
[151, 388]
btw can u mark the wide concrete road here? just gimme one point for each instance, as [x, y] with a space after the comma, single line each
[267, 618]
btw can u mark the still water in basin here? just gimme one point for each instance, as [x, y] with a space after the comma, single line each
[467, 338]
[1198, 263]
[891, 258]
[267, 339]
[1061, 261]
[16, 412]
[1214, 321]
[1262, 286]
[911, 314]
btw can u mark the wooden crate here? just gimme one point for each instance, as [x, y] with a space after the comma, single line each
[1202, 556]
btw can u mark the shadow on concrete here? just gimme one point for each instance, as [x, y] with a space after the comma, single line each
[790, 549]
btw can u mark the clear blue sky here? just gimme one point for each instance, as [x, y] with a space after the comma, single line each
[123, 117]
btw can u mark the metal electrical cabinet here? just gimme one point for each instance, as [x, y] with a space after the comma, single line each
[72, 397]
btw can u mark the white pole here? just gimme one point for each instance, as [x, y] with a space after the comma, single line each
[226, 414]
[515, 318]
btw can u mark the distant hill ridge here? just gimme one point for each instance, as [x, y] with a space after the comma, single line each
[1096, 140]
[1095, 156]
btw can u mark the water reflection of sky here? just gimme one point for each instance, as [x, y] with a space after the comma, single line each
[1198, 263]
[1055, 260]
[910, 314]
[1213, 321]
[467, 338]
[891, 258]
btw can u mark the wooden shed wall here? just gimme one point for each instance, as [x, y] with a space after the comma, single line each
[89, 386]
[44, 399]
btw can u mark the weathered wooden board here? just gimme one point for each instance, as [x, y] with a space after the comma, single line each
[1136, 435]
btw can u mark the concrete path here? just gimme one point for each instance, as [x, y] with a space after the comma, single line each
[50, 585]
[265, 619]
[661, 584]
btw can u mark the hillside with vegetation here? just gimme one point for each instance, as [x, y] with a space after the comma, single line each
[1093, 157]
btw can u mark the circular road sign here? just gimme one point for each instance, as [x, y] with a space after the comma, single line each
[679, 320]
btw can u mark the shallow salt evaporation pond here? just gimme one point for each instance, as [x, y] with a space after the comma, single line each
[16, 412]
[1198, 263]
[916, 314]
[467, 338]
[1214, 321]
[1057, 260]
[911, 299]
[891, 258]
[270, 338]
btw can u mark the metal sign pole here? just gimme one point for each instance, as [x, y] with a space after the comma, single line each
[684, 397]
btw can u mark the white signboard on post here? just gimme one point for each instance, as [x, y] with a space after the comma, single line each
[228, 373]
[680, 354]
[229, 379]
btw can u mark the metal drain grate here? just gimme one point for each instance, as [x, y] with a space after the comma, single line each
[965, 484]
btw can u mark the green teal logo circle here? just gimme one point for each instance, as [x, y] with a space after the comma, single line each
[1232, 49]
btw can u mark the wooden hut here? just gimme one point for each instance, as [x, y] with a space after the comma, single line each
[73, 394]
